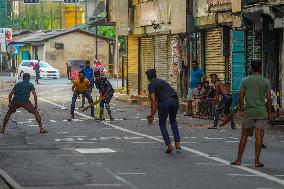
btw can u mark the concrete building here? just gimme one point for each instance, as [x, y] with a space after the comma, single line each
[57, 47]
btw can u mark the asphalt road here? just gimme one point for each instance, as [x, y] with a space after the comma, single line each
[127, 153]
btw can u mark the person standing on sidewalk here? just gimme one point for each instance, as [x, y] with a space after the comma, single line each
[164, 99]
[89, 74]
[255, 115]
[19, 98]
[106, 93]
[81, 86]
[37, 71]
[196, 76]
[225, 104]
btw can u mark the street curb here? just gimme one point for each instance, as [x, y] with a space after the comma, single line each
[9, 180]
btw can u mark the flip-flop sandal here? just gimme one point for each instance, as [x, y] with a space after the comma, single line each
[234, 163]
[169, 150]
[259, 165]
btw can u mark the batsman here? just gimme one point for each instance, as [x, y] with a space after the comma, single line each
[106, 93]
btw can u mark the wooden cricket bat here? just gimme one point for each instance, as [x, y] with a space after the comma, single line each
[91, 105]
[230, 116]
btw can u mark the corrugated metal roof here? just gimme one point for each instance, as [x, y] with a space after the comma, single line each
[38, 37]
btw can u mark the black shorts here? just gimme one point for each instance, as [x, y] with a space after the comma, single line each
[225, 104]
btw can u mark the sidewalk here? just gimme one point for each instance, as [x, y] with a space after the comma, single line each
[188, 120]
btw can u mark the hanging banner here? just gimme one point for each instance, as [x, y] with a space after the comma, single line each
[5, 38]
[176, 55]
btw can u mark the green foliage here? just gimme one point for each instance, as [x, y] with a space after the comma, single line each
[42, 16]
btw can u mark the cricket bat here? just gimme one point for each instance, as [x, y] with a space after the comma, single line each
[91, 105]
[229, 117]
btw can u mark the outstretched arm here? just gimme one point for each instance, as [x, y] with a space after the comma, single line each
[154, 107]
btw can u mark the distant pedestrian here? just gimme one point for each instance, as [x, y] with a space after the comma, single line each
[37, 71]
[68, 66]
[225, 104]
[81, 86]
[106, 93]
[255, 115]
[19, 98]
[164, 99]
[89, 74]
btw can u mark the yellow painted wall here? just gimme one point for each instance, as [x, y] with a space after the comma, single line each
[70, 15]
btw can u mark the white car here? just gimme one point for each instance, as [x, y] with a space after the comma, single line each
[46, 70]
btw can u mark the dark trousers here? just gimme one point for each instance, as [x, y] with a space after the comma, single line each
[168, 108]
[74, 98]
[105, 102]
[37, 77]
[224, 106]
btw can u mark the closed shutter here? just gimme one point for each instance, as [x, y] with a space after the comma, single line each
[161, 56]
[132, 64]
[238, 58]
[147, 61]
[172, 77]
[214, 59]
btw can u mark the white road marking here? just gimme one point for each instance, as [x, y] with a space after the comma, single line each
[107, 128]
[144, 142]
[131, 173]
[18, 111]
[234, 138]
[243, 175]
[32, 125]
[62, 132]
[52, 121]
[94, 150]
[80, 142]
[104, 185]
[109, 138]
[93, 139]
[31, 119]
[24, 122]
[132, 138]
[50, 91]
[77, 136]
[279, 175]
[232, 141]
[213, 138]
[193, 137]
[247, 169]
[211, 164]
[64, 139]
[188, 142]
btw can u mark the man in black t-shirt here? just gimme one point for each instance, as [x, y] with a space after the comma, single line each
[164, 99]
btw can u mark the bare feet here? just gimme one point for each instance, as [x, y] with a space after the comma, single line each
[236, 163]
[2, 130]
[258, 164]
[42, 130]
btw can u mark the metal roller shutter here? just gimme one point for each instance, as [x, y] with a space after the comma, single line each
[147, 61]
[161, 56]
[132, 64]
[214, 59]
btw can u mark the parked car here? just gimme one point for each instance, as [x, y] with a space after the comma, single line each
[46, 70]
